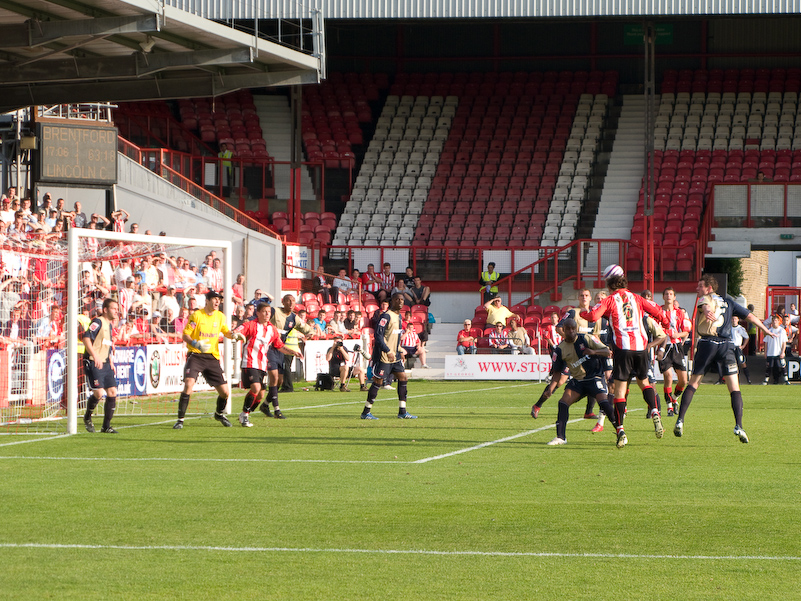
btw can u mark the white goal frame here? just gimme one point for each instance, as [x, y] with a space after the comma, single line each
[74, 237]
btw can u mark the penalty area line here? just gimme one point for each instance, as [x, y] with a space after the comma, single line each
[212, 548]
[492, 442]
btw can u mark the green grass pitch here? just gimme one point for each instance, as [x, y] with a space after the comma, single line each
[465, 502]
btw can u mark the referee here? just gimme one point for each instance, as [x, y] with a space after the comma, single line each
[201, 335]
[98, 366]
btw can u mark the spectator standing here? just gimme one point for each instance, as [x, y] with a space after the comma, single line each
[739, 338]
[79, 219]
[169, 301]
[775, 347]
[122, 273]
[118, 218]
[215, 276]
[488, 279]
[792, 333]
[125, 296]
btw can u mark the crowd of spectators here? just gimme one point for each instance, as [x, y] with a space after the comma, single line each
[156, 291]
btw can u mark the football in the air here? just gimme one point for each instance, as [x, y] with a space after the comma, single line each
[612, 271]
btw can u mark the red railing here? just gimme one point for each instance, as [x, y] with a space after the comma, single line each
[152, 160]
[581, 262]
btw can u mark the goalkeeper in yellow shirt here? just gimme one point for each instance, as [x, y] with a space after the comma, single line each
[201, 335]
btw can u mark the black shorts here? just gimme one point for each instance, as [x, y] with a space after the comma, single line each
[206, 364]
[251, 375]
[410, 350]
[628, 364]
[99, 378]
[589, 388]
[674, 358]
[275, 360]
[382, 370]
[715, 353]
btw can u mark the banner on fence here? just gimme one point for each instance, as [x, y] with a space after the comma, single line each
[497, 367]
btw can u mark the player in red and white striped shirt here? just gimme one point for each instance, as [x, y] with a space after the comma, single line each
[260, 336]
[625, 311]
[671, 355]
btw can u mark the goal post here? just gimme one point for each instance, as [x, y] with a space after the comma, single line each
[122, 242]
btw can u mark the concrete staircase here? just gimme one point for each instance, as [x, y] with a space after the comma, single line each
[624, 176]
[441, 342]
[276, 123]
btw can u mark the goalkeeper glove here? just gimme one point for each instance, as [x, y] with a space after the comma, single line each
[239, 336]
[201, 345]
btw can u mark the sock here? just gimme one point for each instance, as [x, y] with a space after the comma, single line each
[221, 403]
[650, 398]
[111, 404]
[607, 410]
[737, 407]
[590, 405]
[91, 405]
[183, 405]
[561, 420]
[686, 399]
[248, 402]
[272, 396]
[620, 413]
[747, 375]
[402, 392]
[542, 398]
[658, 401]
[372, 392]
[668, 390]
[679, 390]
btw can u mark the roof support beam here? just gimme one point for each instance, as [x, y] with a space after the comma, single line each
[164, 87]
[38, 33]
[131, 66]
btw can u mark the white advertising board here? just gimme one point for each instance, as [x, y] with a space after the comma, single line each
[314, 356]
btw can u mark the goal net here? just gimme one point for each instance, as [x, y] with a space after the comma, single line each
[52, 290]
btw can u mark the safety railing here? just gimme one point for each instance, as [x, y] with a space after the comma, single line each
[152, 160]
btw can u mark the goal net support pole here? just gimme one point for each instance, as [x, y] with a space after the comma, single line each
[74, 260]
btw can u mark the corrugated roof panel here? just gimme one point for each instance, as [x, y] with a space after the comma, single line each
[427, 9]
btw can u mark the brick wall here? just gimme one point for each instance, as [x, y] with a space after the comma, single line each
[755, 280]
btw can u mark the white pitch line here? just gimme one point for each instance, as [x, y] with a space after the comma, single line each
[492, 442]
[9, 444]
[201, 460]
[211, 548]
